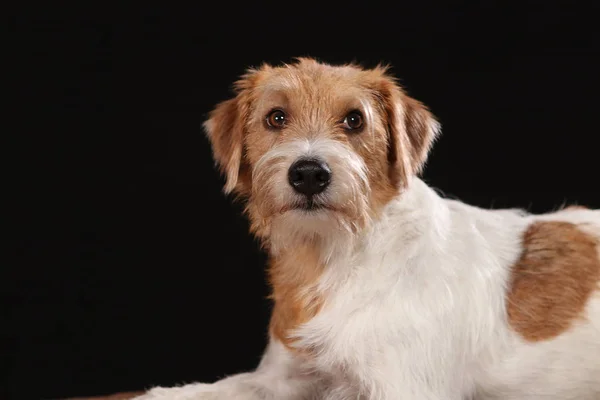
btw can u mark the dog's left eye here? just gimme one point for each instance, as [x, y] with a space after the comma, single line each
[353, 121]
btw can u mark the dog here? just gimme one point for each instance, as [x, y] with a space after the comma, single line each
[382, 288]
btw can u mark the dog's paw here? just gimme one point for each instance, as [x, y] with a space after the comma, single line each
[198, 391]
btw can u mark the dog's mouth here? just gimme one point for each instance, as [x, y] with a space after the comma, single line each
[309, 205]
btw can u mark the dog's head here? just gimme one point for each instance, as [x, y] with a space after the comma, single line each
[317, 149]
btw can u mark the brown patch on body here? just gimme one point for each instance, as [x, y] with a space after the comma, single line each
[294, 277]
[557, 273]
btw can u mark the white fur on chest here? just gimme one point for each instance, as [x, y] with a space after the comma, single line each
[419, 299]
[419, 307]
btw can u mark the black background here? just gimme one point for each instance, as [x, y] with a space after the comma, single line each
[129, 268]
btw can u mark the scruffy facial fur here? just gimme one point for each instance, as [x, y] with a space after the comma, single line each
[382, 289]
[369, 167]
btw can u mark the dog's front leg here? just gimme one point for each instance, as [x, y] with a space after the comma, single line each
[280, 376]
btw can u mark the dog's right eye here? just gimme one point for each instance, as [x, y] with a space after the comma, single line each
[276, 119]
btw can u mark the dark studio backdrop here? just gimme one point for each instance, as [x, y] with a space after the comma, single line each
[130, 268]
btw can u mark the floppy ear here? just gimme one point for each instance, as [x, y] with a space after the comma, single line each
[226, 127]
[225, 130]
[411, 130]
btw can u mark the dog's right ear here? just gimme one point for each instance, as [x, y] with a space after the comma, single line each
[226, 127]
[225, 130]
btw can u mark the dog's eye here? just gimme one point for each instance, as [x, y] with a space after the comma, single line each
[353, 120]
[276, 119]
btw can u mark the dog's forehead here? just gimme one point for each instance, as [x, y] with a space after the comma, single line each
[309, 80]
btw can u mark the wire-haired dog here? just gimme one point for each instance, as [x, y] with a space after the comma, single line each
[382, 289]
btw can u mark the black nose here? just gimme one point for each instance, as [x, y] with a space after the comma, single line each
[309, 177]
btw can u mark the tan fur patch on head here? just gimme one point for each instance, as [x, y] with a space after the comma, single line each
[294, 278]
[315, 98]
[557, 273]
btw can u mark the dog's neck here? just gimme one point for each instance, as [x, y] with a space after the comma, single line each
[301, 271]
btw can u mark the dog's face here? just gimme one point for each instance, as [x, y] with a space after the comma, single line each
[315, 148]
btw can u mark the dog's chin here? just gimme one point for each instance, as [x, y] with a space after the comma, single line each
[312, 216]
[304, 220]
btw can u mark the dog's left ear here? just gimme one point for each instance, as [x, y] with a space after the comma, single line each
[411, 129]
